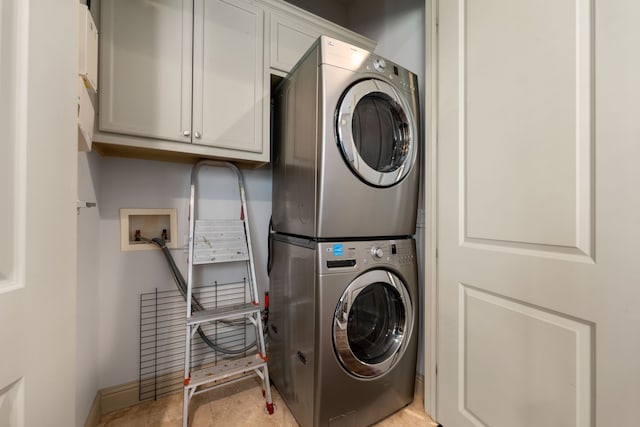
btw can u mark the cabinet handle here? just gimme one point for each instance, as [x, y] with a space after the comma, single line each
[197, 135]
[186, 133]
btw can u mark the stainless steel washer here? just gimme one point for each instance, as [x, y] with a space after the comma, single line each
[346, 143]
[343, 328]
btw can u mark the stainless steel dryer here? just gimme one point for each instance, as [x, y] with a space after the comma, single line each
[343, 328]
[346, 142]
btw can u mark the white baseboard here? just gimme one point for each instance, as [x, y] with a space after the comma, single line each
[111, 399]
[118, 397]
[93, 419]
[125, 395]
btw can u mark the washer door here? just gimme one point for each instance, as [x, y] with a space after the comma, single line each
[372, 324]
[376, 132]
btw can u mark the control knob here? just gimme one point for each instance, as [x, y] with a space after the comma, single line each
[379, 64]
[376, 252]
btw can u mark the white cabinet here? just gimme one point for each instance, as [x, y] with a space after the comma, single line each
[191, 78]
[230, 103]
[145, 68]
[290, 39]
[190, 72]
[293, 31]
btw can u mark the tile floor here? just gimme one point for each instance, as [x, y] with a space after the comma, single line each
[239, 404]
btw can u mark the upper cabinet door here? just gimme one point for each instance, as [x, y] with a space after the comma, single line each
[146, 68]
[230, 96]
[290, 39]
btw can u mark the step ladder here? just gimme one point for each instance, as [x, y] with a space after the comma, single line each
[213, 242]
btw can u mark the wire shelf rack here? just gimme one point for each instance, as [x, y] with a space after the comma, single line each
[162, 328]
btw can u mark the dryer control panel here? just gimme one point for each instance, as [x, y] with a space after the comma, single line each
[358, 255]
[340, 54]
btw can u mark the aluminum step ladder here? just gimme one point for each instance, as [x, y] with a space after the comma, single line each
[213, 242]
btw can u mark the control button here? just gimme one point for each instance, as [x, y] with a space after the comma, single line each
[377, 252]
[379, 64]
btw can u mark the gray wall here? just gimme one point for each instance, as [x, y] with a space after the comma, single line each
[131, 183]
[110, 281]
[88, 279]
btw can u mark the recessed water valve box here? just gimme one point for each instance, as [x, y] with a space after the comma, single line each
[138, 226]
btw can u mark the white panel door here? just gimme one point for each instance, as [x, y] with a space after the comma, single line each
[38, 161]
[539, 213]
[230, 93]
[145, 64]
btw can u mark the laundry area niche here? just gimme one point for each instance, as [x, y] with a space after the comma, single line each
[111, 281]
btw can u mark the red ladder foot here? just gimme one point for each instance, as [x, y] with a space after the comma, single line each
[270, 408]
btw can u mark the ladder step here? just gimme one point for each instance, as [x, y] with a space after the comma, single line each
[225, 370]
[219, 225]
[219, 240]
[225, 312]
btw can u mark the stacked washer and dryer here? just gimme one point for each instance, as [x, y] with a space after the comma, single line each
[344, 283]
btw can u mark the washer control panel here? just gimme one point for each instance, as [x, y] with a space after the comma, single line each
[358, 255]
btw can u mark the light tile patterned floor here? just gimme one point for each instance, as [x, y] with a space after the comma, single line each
[239, 404]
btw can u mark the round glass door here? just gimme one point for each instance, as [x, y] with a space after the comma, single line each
[376, 132]
[372, 324]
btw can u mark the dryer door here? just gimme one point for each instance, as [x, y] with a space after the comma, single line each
[377, 132]
[372, 324]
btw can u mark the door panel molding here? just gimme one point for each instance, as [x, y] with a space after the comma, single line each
[13, 120]
[12, 407]
[557, 227]
[549, 364]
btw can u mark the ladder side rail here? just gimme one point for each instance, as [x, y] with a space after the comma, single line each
[260, 337]
[192, 221]
[266, 384]
[192, 228]
[245, 221]
[187, 349]
[254, 292]
[187, 376]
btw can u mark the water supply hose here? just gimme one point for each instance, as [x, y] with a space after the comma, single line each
[182, 287]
